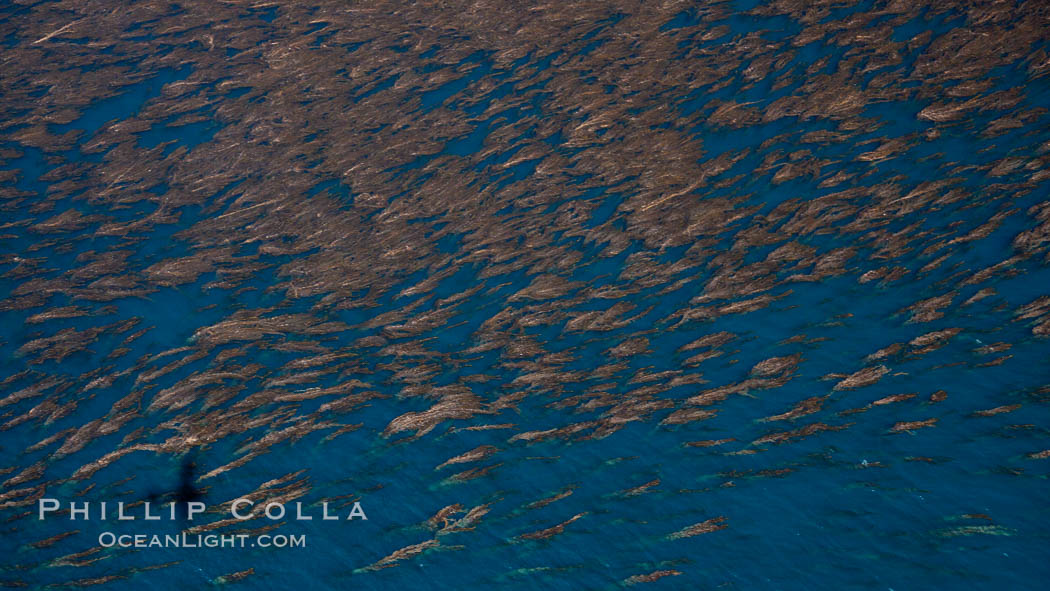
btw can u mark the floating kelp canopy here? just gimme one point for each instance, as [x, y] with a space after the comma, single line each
[562, 290]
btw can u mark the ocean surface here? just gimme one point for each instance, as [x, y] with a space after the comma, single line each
[719, 295]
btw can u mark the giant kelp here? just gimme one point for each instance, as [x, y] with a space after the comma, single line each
[506, 233]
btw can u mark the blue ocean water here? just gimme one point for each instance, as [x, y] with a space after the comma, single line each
[859, 505]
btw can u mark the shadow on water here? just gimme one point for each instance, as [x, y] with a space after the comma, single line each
[183, 494]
